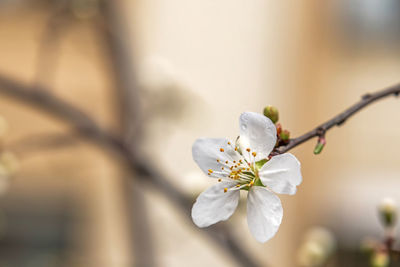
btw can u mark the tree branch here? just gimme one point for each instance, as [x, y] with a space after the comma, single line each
[111, 26]
[53, 106]
[339, 119]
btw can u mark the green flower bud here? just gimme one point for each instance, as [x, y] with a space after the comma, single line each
[388, 212]
[285, 135]
[272, 113]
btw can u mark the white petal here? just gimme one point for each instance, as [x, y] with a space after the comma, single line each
[258, 133]
[206, 152]
[282, 174]
[264, 213]
[214, 205]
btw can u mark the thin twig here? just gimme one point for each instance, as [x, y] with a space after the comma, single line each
[339, 119]
[55, 107]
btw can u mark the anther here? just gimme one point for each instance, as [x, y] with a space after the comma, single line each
[210, 171]
[248, 149]
[225, 190]
[238, 185]
[221, 149]
[226, 162]
[254, 154]
[234, 161]
[235, 148]
[229, 143]
[218, 160]
[222, 168]
[219, 180]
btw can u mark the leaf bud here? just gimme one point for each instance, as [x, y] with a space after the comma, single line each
[320, 145]
[272, 113]
[285, 135]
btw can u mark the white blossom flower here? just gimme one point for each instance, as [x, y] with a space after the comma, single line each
[245, 165]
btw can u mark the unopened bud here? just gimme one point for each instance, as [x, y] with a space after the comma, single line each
[320, 145]
[388, 212]
[380, 259]
[272, 113]
[284, 135]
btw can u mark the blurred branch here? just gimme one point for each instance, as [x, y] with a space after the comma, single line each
[53, 106]
[119, 50]
[32, 143]
[117, 41]
[48, 50]
[339, 119]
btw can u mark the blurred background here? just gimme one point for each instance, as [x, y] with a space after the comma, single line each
[161, 73]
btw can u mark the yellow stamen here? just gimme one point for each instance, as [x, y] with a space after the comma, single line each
[225, 190]
[210, 171]
[254, 154]
[221, 149]
[219, 180]
[248, 149]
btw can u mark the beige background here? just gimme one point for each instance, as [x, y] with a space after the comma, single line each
[224, 57]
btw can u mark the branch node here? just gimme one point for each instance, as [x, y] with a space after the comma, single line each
[341, 121]
[320, 131]
[366, 96]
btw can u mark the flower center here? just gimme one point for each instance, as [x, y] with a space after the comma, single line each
[241, 171]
